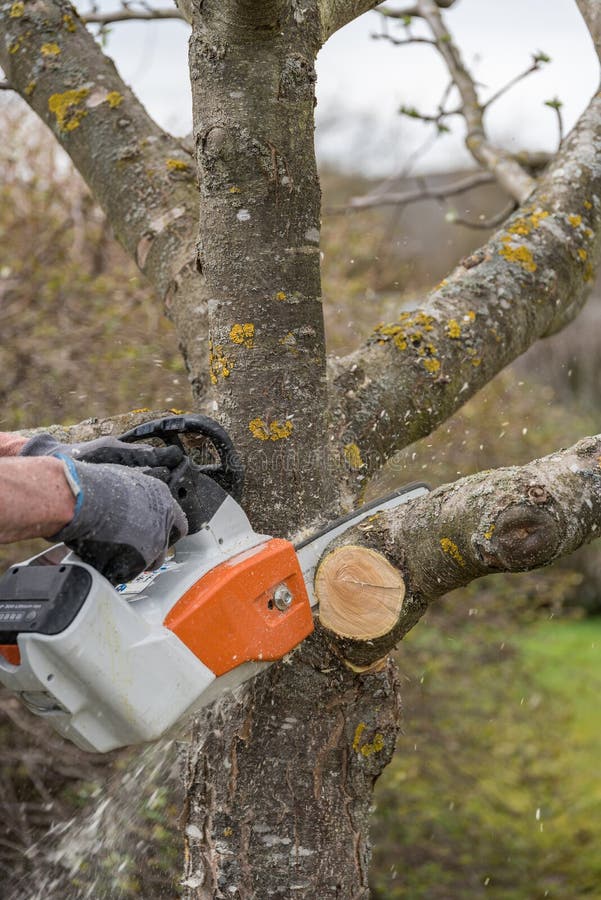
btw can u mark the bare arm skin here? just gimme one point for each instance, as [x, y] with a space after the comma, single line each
[35, 498]
[11, 443]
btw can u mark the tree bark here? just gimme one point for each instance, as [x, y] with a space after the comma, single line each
[335, 14]
[253, 79]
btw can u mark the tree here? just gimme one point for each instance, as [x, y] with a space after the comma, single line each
[279, 778]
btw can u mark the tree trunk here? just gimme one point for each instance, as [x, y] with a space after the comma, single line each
[279, 778]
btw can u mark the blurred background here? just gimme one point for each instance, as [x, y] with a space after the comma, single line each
[494, 790]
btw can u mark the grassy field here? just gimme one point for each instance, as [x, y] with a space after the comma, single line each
[495, 790]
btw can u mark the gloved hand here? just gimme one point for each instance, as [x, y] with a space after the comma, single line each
[105, 450]
[124, 519]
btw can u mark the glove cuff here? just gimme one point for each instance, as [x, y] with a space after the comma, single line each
[40, 445]
[73, 480]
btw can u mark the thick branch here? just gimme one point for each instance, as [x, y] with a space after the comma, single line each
[142, 177]
[94, 428]
[506, 520]
[506, 170]
[336, 13]
[591, 13]
[528, 281]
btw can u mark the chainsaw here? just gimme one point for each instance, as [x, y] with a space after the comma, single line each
[110, 666]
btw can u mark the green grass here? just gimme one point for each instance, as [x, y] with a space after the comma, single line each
[495, 790]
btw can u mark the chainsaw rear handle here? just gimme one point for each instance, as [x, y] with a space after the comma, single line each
[199, 489]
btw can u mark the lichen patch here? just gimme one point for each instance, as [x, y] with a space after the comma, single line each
[451, 549]
[177, 165]
[243, 334]
[352, 454]
[50, 50]
[272, 431]
[67, 108]
[114, 99]
[368, 748]
[220, 365]
[519, 255]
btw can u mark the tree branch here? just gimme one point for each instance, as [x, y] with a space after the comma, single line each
[131, 15]
[506, 170]
[405, 198]
[412, 12]
[336, 13]
[504, 520]
[144, 179]
[528, 281]
[6, 86]
[591, 13]
[485, 224]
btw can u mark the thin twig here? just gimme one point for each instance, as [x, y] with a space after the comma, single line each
[556, 105]
[412, 12]
[422, 193]
[508, 172]
[127, 15]
[402, 43]
[486, 224]
[534, 67]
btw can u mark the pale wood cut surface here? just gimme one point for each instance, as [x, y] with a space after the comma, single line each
[360, 593]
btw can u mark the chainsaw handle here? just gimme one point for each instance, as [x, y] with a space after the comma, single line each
[228, 473]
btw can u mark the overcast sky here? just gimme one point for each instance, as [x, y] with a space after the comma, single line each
[362, 82]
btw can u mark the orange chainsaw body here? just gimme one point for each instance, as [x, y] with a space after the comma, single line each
[229, 616]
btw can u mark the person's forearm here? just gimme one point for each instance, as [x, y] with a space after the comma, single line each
[11, 443]
[35, 498]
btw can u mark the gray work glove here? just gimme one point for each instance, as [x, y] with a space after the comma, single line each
[124, 520]
[105, 450]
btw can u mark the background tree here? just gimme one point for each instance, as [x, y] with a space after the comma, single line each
[279, 779]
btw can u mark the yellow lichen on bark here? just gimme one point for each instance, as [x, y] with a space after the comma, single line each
[370, 747]
[520, 255]
[451, 549]
[177, 165]
[274, 431]
[17, 10]
[50, 50]
[352, 454]
[114, 99]
[219, 364]
[432, 365]
[243, 334]
[67, 110]
[453, 329]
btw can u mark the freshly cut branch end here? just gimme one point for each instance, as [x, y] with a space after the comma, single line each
[360, 594]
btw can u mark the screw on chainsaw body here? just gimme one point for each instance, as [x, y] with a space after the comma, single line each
[282, 598]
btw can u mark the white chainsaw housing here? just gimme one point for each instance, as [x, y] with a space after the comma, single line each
[116, 675]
